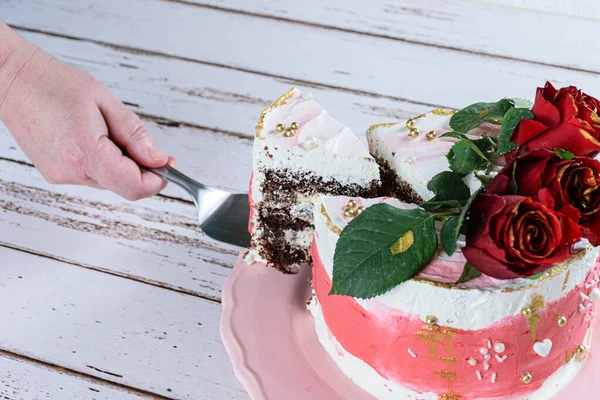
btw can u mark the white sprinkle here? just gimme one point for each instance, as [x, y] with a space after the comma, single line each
[504, 357]
[483, 351]
[500, 359]
[584, 296]
[487, 356]
[472, 362]
[494, 377]
[499, 347]
[412, 353]
[489, 344]
[593, 282]
[595, 295]
[486, 366]
[581, 308]
[479, 375]
[587, 317]
[596, 277]
[589, 285]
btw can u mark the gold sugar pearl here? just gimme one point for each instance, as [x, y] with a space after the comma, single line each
[526, 377]
[431, 320]
[431, 135]
[348, 213]
[289, 133]
[561, 320]
[526, 312]
[581, 350]
[414, 132]
[351, 203]
[294, 125]
[410, 124]
[280, 128]
[359, 210]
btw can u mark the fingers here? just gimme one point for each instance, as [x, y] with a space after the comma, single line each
[126, 129]
[107, 166]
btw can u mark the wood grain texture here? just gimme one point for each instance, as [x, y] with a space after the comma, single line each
[228, 100]
[335, 59]
[581, 9]
[488, 27]
[23, 380]
[117, 329]
[154, 241]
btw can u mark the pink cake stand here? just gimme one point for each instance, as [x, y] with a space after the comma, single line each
[270, 338]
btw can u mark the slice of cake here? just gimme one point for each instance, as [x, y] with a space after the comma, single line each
[432, 339]
[410, 153]
[299, 151]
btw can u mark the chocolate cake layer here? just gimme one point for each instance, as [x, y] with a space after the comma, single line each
[393, 186]
[282, 191]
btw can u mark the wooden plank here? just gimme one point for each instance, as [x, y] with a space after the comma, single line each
[581, 9]
[495, 27]
[333, 58]
[155, 240]
[117, 329]
[21, 380]
[207, 95]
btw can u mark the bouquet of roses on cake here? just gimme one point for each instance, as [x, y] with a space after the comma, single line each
[539, 196]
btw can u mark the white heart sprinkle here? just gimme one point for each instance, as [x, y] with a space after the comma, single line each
[543, 348]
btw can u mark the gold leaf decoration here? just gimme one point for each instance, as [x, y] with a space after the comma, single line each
[533, 320]
[260, 125]
[403, 243]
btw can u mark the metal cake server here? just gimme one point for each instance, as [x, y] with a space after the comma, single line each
[222, 215]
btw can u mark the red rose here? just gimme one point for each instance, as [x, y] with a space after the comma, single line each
[574, 185]
[515, 236]
[564, 119]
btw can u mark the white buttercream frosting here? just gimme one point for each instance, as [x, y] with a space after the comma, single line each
[417, 160]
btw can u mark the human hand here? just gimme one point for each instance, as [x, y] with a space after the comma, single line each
[71, 126]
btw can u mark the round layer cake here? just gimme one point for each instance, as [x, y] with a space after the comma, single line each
[429, 338]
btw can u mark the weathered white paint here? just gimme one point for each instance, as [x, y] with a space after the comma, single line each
[21, 380]
[423, 74]
[207, 95]
[523, 29]
[154, 240]
[117, 329]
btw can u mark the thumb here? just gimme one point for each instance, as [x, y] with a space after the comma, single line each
[128, 132]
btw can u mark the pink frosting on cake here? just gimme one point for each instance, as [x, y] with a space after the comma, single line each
[384, 338]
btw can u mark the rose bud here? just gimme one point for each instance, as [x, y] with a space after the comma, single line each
[564, 119]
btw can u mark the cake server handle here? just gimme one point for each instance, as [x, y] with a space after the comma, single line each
[180, 179]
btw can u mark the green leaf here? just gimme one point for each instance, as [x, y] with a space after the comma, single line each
[432, 206]
[449, 234]
[465, 157]
[520, 103]
[381, 248]
[476, 114]
[451, 229]
[511, 120]
[448, 185]
[564, 154]
[456, 135]
[469, 273]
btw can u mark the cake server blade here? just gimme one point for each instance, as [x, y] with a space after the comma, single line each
[222, 216]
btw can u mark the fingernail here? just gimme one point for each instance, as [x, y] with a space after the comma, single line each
[156, 153]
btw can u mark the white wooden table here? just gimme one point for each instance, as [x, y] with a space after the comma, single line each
[105, 299]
